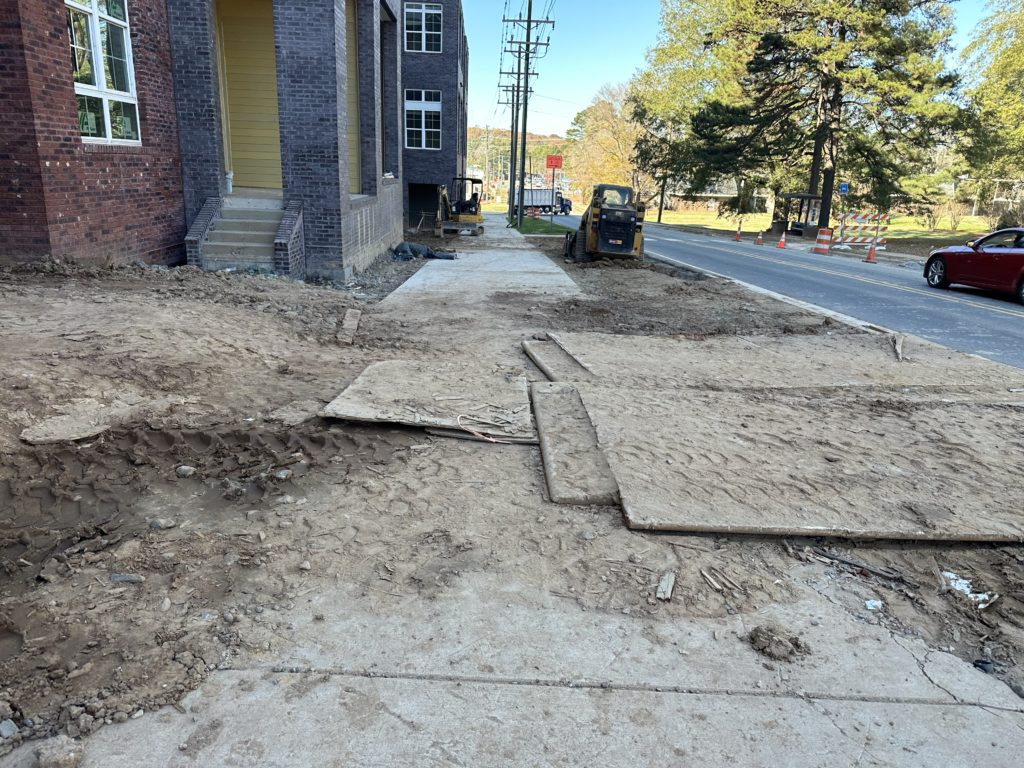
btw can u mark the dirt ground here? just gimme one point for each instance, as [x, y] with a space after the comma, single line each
[137, 562]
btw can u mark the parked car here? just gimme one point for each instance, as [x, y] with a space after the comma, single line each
[995, 261]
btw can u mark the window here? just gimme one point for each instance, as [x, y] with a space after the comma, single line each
[422, 119]
[1011, 239]
[423, 27]
[101, 65]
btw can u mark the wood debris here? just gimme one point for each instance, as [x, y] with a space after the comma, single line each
[666, 585]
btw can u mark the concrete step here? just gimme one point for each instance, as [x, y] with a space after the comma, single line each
[255, 200]
[262, 236]
[248, 225]
[239, 250]
[223, 265]
[252, 214]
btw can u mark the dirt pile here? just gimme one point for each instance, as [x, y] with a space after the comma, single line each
[776, 644]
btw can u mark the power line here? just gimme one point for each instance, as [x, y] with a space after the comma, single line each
[520, 41]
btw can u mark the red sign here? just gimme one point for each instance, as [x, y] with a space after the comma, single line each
[554, 161]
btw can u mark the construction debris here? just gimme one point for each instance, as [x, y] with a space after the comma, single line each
[666, 585]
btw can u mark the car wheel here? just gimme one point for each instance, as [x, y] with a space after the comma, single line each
[1020, 291]
[935, 273]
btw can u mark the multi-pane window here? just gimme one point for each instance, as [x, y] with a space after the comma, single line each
[423, 27]
[101, 64]
[422, 119]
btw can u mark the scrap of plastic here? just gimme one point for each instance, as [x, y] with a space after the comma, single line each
[981, 599]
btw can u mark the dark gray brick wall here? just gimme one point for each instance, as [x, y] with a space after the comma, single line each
[289, 244]
[197, 98]
[439, 71]
[372, 226]
[309, 37]
[369, 56]
[208, 214]
[391, 54]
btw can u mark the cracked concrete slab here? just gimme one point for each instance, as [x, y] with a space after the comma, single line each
[486, 632]
[255, 718]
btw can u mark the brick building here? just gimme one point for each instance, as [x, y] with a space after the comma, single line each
[435, 63]
[261, 134]
[89, 161]
[294, 104]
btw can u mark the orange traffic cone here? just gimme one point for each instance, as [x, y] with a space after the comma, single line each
[760, 239]
[738, 226]
[870, 258]
[782, 240]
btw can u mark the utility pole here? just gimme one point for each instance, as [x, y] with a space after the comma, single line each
[514, 138]
[526, 52]
[526, 109]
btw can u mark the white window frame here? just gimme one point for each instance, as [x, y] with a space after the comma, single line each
[422, 10]
[100, 91]
[423, 101]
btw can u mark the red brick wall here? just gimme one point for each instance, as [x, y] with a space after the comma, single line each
[100, 202]
[22, 210]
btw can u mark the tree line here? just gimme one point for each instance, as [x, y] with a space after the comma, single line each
[799, 95]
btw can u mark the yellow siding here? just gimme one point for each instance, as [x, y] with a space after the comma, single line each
[254, 136]
[355, 171]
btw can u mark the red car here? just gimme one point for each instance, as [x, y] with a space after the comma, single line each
[995, 261]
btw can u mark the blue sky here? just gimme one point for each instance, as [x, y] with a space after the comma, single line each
[593, 43]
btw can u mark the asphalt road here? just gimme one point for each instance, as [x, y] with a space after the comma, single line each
[895, 297]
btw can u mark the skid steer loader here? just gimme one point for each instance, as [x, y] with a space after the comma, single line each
[612, 225]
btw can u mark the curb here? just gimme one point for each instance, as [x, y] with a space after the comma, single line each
[839, 317]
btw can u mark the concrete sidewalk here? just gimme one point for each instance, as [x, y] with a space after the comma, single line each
[498, 260]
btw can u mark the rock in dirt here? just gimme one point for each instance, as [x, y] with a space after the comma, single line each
[161, 523]
[774, 643]
[185, 471]
[127, 578]
[8, 728]
[297, 412]
[59, 752]
[87, 418]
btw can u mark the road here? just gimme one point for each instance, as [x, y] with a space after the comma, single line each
[891, 296]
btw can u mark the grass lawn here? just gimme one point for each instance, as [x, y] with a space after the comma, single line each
[542, 227]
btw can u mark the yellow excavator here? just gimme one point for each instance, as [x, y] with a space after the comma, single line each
[461, 212]
[611, 225]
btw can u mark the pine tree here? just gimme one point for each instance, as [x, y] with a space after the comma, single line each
[854, 84]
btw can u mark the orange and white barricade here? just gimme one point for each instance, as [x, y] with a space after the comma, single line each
[861, 230]
[823, 241]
